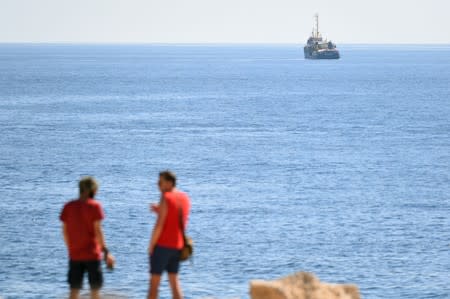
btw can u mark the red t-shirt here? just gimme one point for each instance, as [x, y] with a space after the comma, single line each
[79, 217]
[171, 235]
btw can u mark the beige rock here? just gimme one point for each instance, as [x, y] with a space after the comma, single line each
[301, 286]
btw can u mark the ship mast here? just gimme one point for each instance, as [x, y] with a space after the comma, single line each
[316, 29]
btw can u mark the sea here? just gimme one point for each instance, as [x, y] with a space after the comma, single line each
[340, 168]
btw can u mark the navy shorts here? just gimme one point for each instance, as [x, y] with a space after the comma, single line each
[164, 259]
[76, 274]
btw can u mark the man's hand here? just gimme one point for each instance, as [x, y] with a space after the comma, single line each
[151, 248]
[110, 261]
[154, 207]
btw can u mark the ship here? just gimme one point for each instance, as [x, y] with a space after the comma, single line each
[319, 48]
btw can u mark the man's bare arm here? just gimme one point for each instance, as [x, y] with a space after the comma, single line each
[110, 261]
[99, 234]
[162, 214]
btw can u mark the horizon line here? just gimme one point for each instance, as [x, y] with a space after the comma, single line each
[208, 43]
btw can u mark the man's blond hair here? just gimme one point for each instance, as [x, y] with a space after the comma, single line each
[88, 184]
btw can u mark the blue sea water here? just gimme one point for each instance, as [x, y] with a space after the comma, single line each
[341, 168]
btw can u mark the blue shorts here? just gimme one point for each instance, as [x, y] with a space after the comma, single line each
[77, 270]
[164, 259]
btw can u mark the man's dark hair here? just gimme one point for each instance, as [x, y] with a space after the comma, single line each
[169, 176]
[88, 184]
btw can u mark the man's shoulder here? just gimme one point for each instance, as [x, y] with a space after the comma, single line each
[71, 203]
[175, 194]
[68, 209]
[173, 197]
[93, 203]
[184, 195]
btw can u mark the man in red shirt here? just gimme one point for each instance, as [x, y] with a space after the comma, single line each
[84, 239]
[167, 237]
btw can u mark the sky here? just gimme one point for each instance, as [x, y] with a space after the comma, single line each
[224, 21]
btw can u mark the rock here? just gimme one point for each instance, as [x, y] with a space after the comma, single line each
[301, 286]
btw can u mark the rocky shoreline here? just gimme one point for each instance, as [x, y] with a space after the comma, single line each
[301, 285]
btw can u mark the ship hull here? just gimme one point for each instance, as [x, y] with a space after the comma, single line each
[322, 54]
